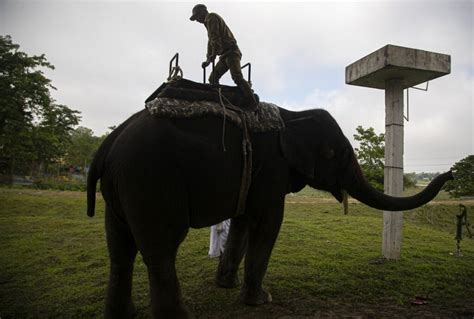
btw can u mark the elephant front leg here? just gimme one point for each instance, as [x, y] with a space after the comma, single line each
[227, 271]
[263, 232]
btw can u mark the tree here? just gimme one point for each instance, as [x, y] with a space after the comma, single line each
[51, 135]
[82, 147]
[32, 126]
[463, 184]
[371, 154]
[24, 89]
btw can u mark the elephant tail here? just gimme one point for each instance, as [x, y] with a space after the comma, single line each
[97, 167]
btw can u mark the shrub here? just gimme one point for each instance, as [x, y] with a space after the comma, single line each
[59, 183]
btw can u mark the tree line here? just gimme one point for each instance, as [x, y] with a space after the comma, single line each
[37, 134]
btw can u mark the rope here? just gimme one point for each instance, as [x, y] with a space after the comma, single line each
[223, 121]
[246, 178]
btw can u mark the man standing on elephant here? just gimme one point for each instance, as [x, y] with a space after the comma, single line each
[222, 42]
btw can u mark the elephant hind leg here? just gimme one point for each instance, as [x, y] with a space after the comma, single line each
[158, 216]
[122, 252]
[165, 292]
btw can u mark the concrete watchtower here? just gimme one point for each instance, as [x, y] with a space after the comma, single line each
[393, 69]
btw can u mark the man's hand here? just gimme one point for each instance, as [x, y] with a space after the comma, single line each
[208, 61]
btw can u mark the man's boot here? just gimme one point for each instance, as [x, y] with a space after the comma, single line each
[249, 98]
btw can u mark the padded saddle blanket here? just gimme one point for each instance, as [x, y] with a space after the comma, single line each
[193, 91]
[187, 99]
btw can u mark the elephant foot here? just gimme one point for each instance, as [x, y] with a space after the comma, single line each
[113, 312]
[227, 280]
[132, 311]
[255, 298]
[180, 313]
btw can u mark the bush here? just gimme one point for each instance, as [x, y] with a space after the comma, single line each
[409, 180]
[60, 183]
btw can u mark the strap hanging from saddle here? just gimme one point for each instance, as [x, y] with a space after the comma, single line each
[246, 178]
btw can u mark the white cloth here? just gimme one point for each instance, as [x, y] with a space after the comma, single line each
[218, 238]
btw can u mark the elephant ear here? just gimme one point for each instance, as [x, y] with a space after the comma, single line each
[296, 146]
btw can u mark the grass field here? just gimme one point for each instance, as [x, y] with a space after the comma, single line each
[54, 264]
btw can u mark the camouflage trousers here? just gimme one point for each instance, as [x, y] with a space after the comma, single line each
[228, 61]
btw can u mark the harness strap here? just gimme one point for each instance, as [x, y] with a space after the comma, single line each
[223, 120]
[246, 178]
[247, 167]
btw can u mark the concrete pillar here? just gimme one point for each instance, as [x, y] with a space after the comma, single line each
[394, 68]
[393, 179]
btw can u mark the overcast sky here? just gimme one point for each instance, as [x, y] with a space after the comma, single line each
[110, 55]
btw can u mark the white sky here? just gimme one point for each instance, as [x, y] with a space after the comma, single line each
[110, 55]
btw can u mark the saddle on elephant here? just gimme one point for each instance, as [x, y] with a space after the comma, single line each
[182, 98]
[184, 89]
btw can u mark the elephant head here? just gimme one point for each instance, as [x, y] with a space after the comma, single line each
[321, 156]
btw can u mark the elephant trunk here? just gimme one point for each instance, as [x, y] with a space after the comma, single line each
[358, 187]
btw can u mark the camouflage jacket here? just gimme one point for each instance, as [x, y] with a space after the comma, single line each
[221, 39]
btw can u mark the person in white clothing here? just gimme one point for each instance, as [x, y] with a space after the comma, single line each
[218, 238]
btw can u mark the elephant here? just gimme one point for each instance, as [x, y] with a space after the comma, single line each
[161, 176]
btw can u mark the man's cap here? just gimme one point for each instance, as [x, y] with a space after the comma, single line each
[197, 8]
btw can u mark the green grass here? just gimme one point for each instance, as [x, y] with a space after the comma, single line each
[54, 264]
